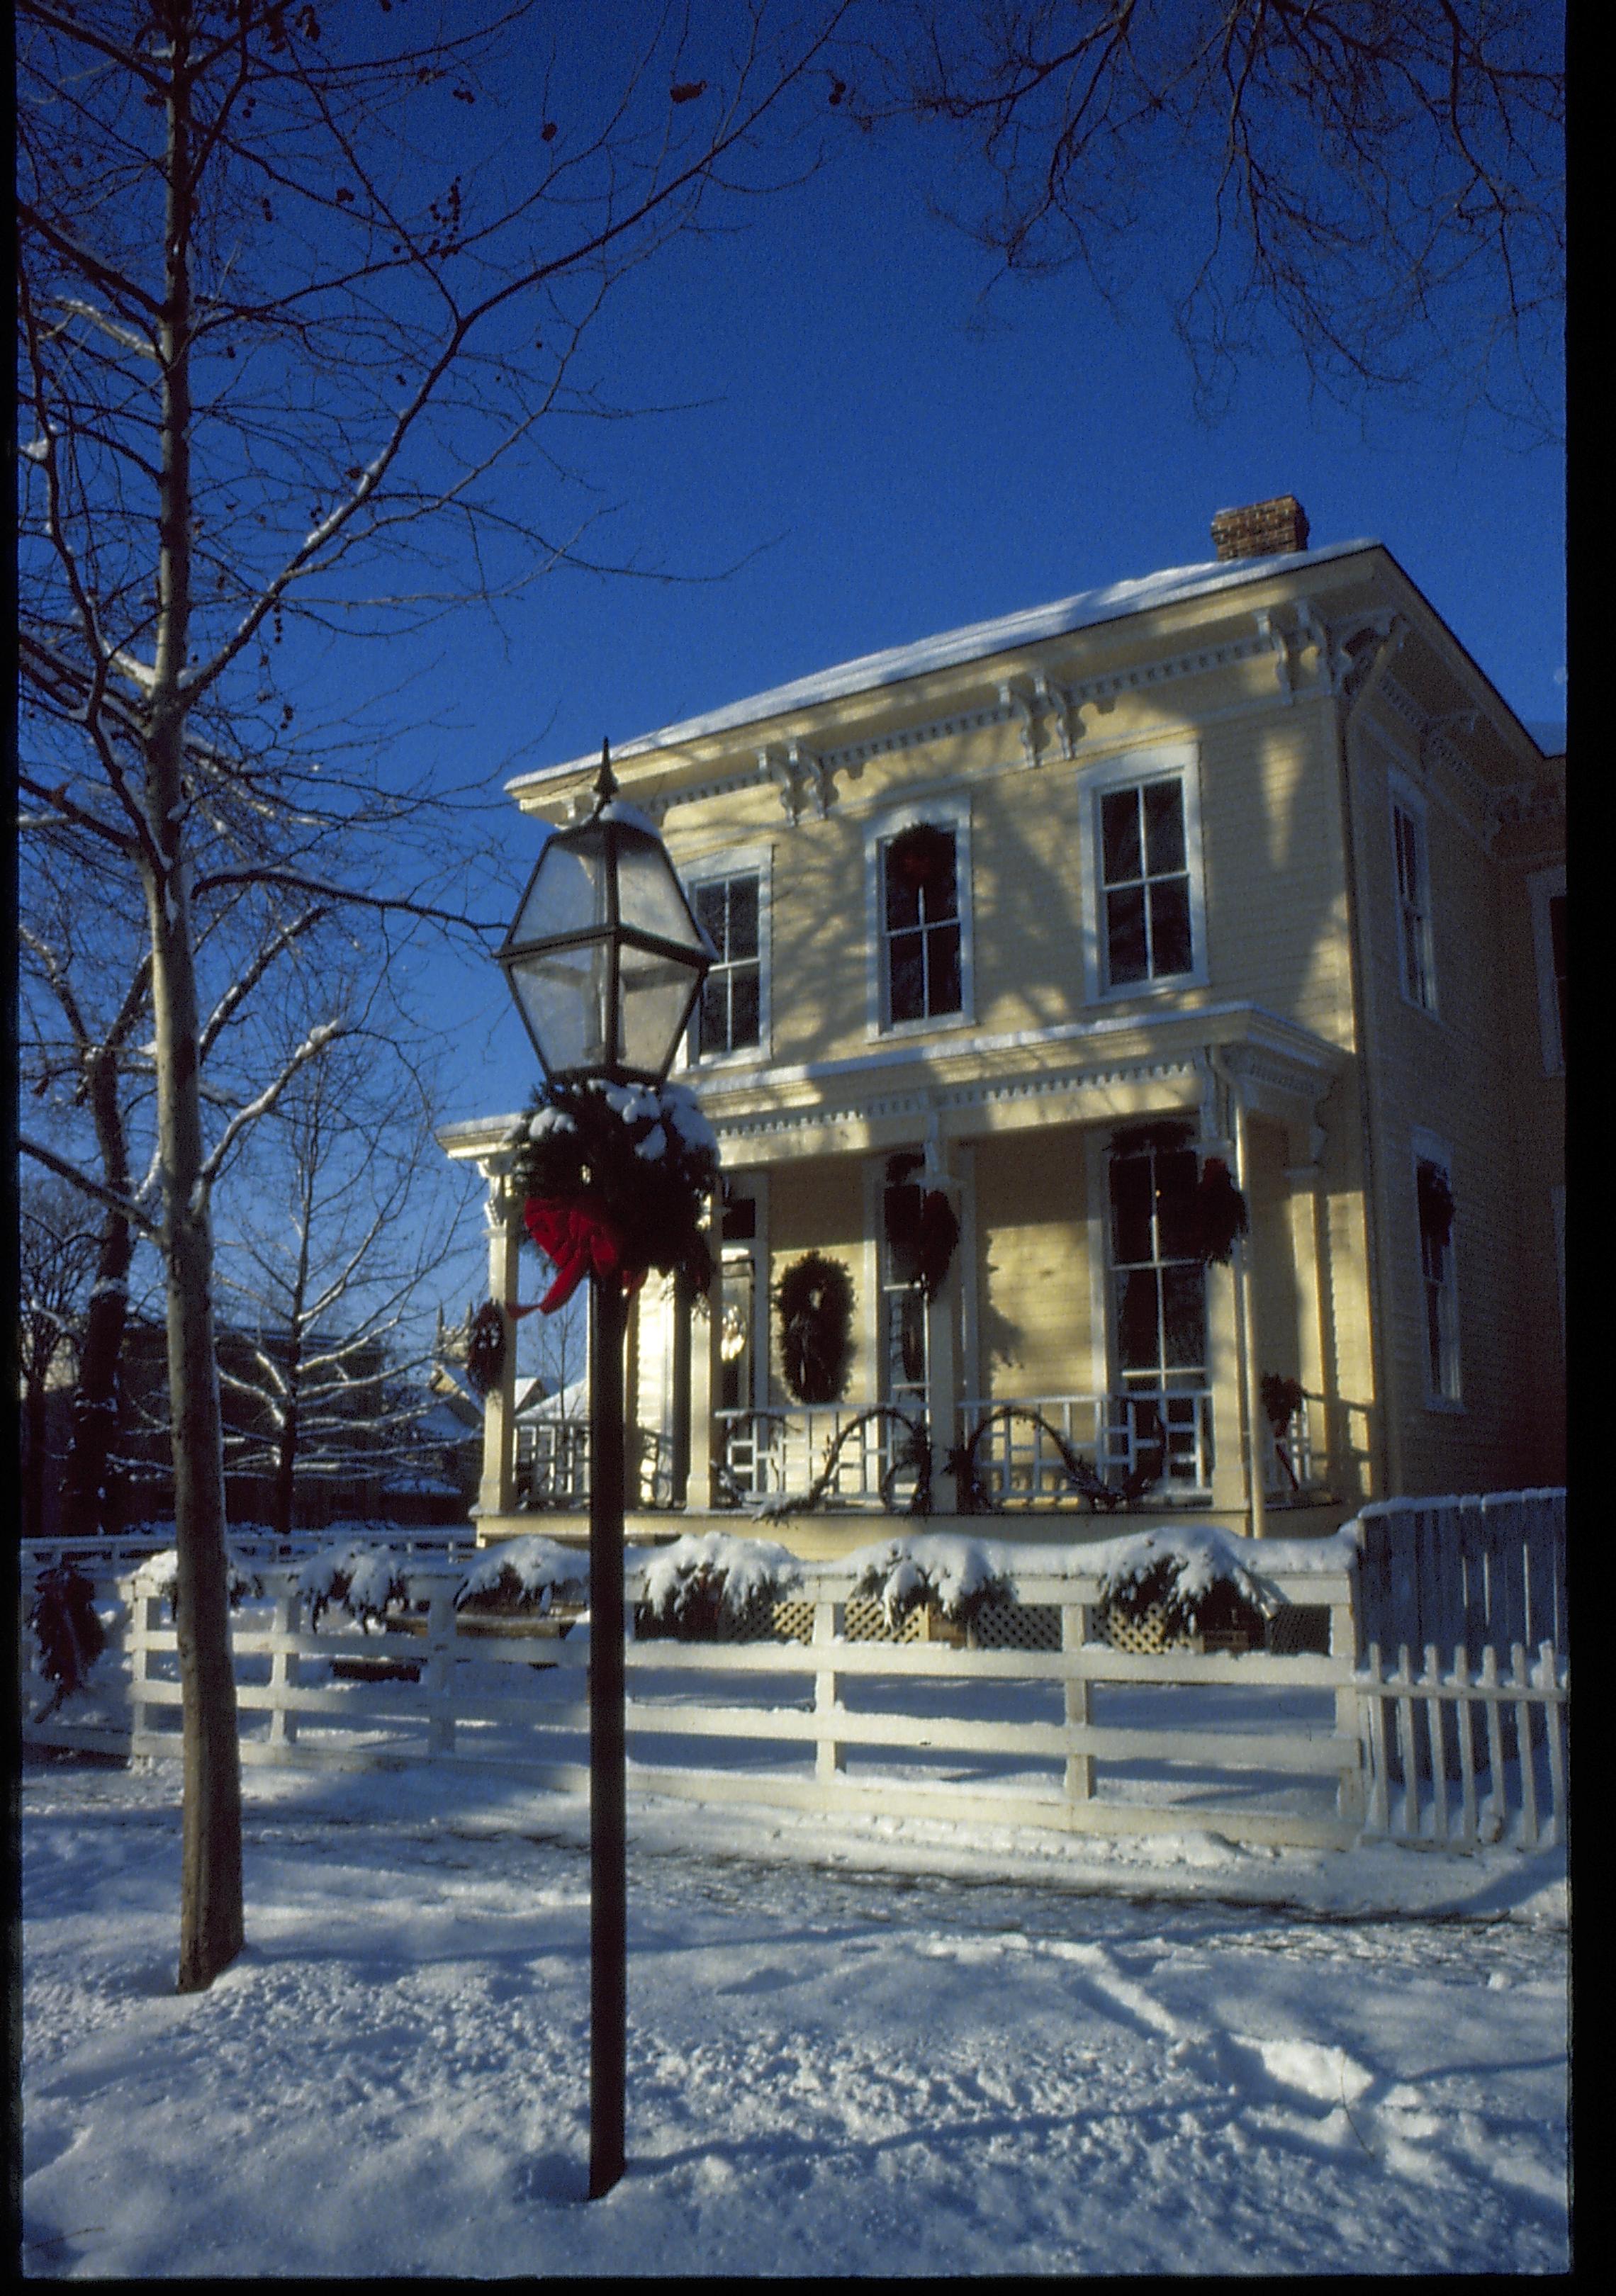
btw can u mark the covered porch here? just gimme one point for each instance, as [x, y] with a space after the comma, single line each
[1074, 1370]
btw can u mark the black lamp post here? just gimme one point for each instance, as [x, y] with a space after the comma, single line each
[605, 962]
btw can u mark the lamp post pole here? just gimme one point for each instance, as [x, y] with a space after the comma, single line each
[608, 1855]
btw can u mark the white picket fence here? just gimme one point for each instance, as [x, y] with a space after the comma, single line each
[1477, 1727]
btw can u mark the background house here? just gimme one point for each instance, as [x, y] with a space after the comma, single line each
[1241, 867]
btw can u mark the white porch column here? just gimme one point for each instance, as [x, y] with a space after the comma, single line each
[1245, 1308]
[1305, 1182]
[942, 1344]
[502, 1215]
[707, 1330]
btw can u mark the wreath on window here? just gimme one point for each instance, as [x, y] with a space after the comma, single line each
[922, 856]
[485, 1353]
[615, 1181]
[1218, 1213]
[922, 1230]
[815, 1300]
[1436, 1205]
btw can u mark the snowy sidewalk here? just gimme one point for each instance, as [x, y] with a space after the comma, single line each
[1008, 2067]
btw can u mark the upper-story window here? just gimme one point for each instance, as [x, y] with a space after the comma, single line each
[729, 893]
[920, 872]
[1147, 916]
[1548, 936]
[1416, 969]
[918, 882]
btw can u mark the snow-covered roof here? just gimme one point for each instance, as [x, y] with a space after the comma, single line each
[1083, 611]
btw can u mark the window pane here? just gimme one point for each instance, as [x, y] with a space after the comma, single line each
[742, 917]
[1125, 934]
[1163, 827]
[743, 1006]
[1178, 1172]
[944, 969]
[1130, 1209]
[713, 1036]
[907, 977]
[1184, 1316]
[941, 896]
[903, 899]
[1119, 834]
[1169, 926]
[1137, 1340]
[709, 914]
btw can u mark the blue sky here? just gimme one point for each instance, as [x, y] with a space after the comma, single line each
[875, 465]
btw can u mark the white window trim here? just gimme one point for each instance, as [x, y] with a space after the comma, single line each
[1429, 1148]
[1159, 762]
[946, 813]
[1403, 797]
[1546, 885]
[738, 861]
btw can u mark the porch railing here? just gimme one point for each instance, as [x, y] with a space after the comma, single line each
[1155, 1442]
[784, 1450]
[553, 1466]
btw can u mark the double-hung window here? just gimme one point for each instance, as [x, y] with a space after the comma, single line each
[729, 894]
[919, 878]
[1147, 916]
[1433, 1199]
[1415, 970]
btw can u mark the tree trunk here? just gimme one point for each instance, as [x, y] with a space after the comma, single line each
[211, 1931]
[86, 1499]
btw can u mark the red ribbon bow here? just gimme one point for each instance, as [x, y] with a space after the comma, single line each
[577, 1241]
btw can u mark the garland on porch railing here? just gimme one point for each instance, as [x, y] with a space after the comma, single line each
[815, 1300]
[977, 1498]
[912, 1456]
[615, 1180]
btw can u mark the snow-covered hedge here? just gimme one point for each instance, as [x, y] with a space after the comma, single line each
[365, 1581]
[955, 1573]
[159, 1574]
[524, 1575]
[689, 1584]
[1196, 1577]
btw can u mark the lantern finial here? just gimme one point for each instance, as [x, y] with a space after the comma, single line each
[605, 781]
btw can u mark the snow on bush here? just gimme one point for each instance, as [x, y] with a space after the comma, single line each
[522, 1574]
[689, 1584]
[159, 1574]
[954, 1573]
[364, 1581]
[1195, 1576]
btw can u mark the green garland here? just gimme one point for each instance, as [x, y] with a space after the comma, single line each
[644, 1161]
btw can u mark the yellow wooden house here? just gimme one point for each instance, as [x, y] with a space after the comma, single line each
[1244, 864]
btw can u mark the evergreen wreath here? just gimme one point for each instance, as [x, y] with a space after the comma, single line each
[485, 1354]
[815, 1298]
[921, 1227]
[1218, 1213]
[617, 1177]
[922, 856]
[70, 1636]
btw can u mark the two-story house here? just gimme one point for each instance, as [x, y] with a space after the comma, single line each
[1030, 927]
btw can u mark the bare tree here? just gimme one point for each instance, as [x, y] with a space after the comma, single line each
[56, 1263]
[325, 1268]
[1379, 182]
[293, 309]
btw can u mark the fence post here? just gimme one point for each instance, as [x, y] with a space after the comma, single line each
[1080, 1701]
[1344, 1622]
[1554, 1716]
[1523, 1748]
[284, 1666]
[440, 1668]
[829, 1757]
[145, 1619]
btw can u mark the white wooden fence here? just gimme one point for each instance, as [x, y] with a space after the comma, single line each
[1077, 1735]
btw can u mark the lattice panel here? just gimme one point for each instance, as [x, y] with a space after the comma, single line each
[866, 1622]
[1144, 1631]
[1017, 1626]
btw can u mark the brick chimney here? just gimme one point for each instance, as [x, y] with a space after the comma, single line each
[1263, 529]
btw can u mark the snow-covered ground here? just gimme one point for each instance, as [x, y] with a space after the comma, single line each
[857, 2049]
